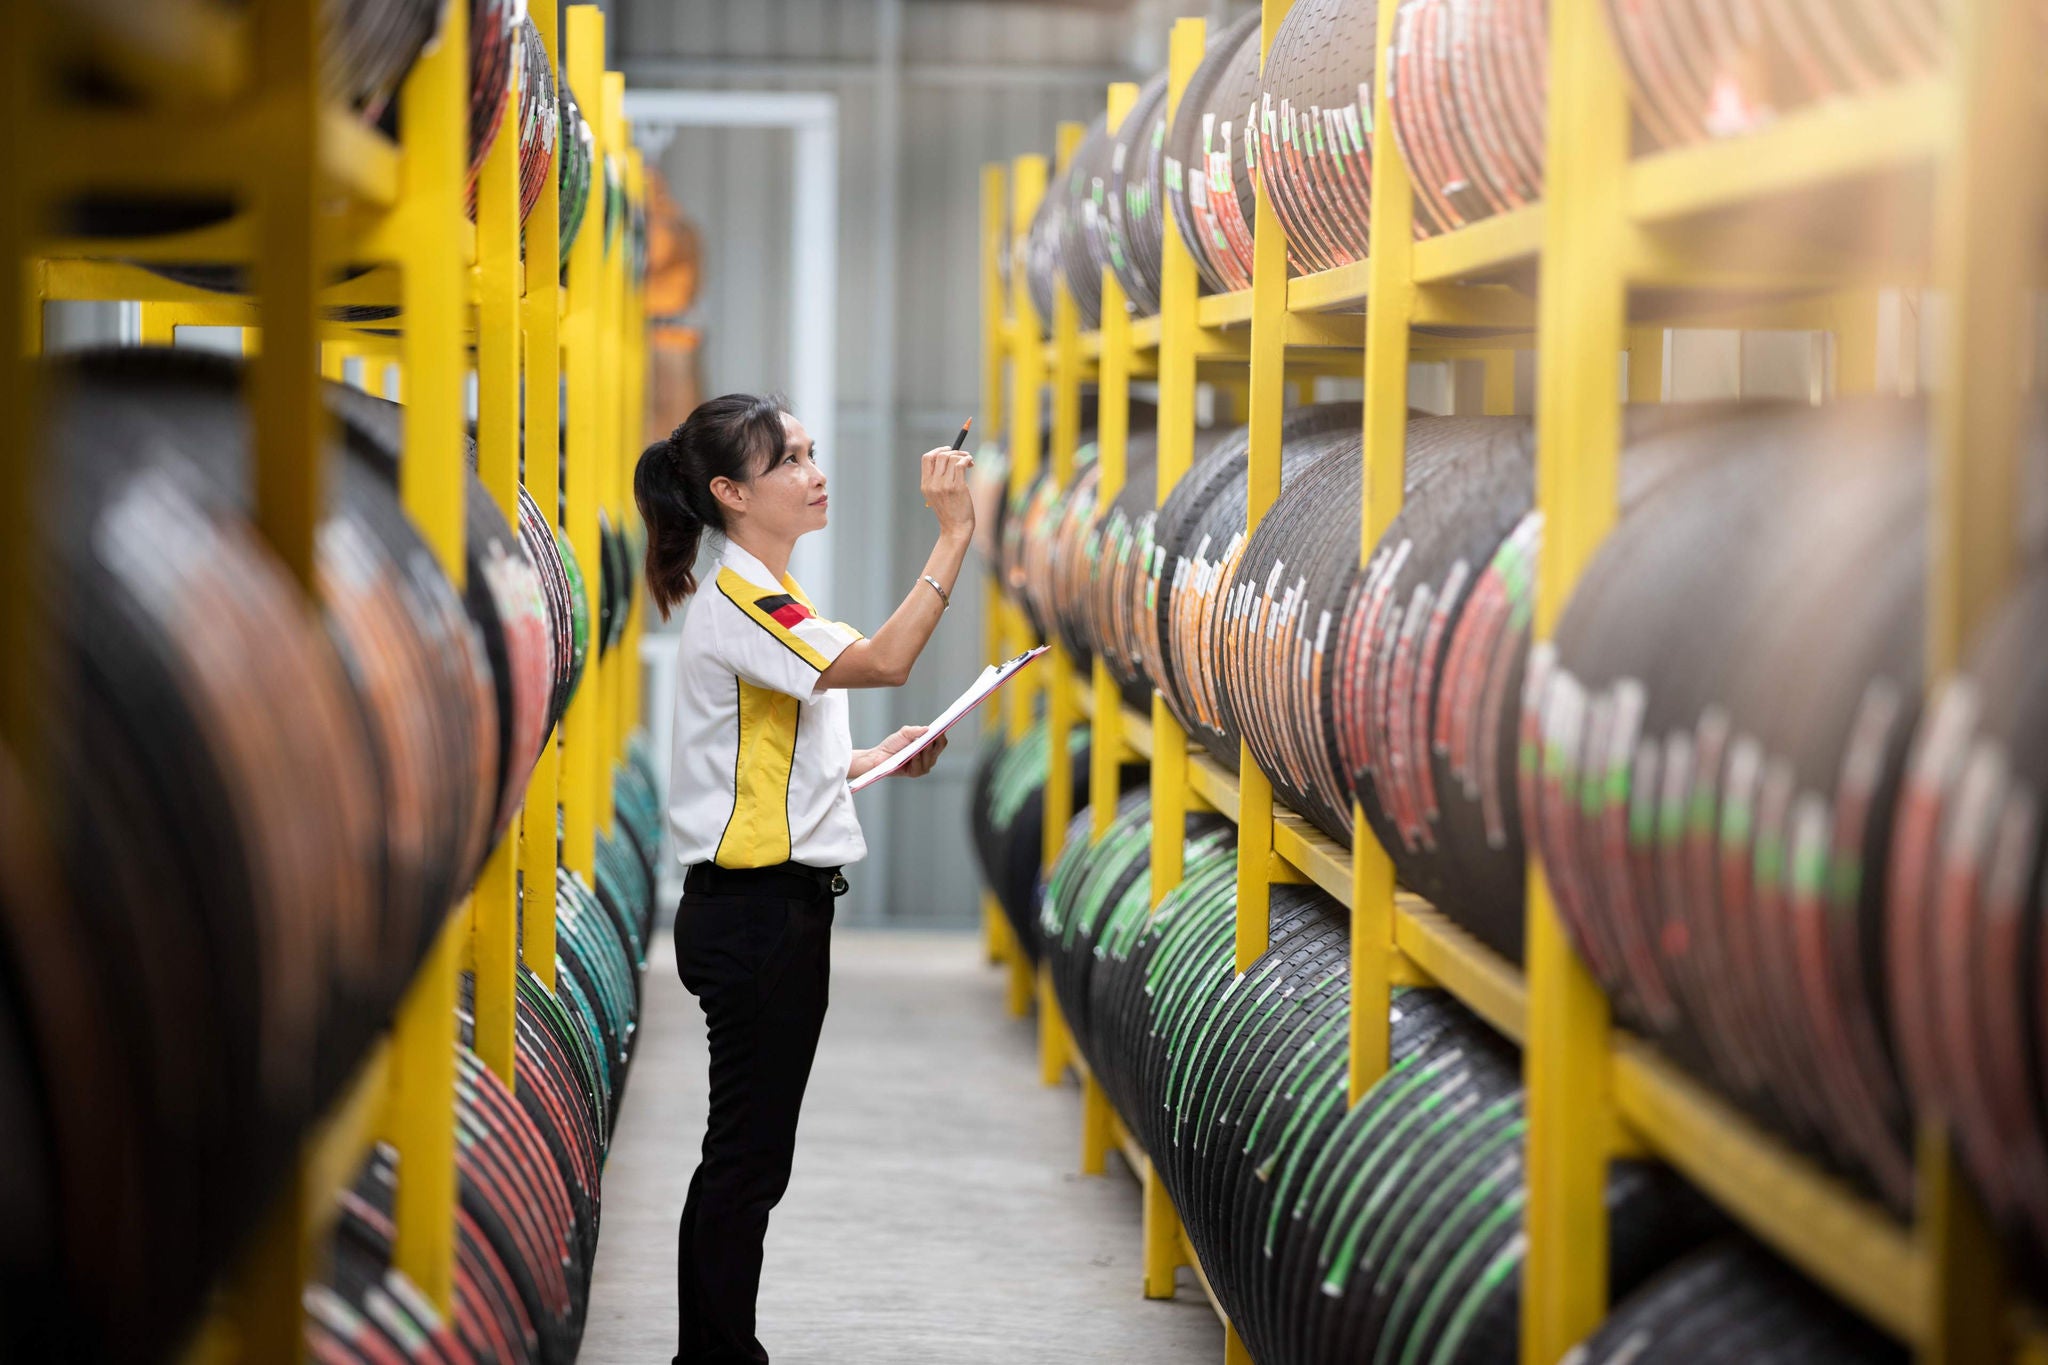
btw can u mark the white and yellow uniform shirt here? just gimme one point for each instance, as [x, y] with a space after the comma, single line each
[758, 772]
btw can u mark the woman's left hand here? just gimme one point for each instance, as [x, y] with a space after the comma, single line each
[865, 759]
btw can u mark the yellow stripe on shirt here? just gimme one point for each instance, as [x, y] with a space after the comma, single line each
[757, 834]
[744, 595]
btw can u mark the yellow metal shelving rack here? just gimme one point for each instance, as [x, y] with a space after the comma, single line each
[1615, 237]
[243, 116]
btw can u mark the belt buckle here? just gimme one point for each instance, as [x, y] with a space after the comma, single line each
[839, 885]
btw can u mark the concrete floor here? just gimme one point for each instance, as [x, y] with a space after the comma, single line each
[935, 1214]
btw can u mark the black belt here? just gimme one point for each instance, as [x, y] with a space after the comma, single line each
[790, 881]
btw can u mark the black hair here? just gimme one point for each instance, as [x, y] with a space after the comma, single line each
[734, 436]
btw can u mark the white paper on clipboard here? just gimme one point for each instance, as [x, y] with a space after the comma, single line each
[992, 677]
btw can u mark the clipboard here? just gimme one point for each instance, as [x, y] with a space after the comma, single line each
[991, 680]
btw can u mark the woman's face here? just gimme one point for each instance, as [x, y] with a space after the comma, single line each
[787, 499]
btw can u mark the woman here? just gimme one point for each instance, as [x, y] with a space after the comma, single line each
[759, 805]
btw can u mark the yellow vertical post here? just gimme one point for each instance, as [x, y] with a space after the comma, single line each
[1267, 402]
[540, 322]
[1112, 434]
[1581, 313]
[1645, 364]
[1990, 200]
[1391, 284]
[537, 846]
[1498, 399]
[1106, 743]
[1098, 1126]
[1058, 680]
[634, 372]
[610, 454]
[1855, 341]
[494, 908]
[1178, 297]
[158, 323]
[435, 106]
[1988, 218]
[582, 736]
[430, 352]
[1027, 382]
[1024, 344]
[1053, 1041]
[1162, 1242]
[995, 183]
[995, 324]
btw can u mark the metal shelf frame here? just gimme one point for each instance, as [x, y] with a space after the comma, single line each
[243, 116]
[1940, 174]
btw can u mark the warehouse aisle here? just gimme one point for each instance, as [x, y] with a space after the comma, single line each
[934, 1217]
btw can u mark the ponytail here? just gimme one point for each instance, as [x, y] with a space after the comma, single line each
[733, 437]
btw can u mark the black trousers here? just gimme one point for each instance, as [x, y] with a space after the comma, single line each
[757, 961]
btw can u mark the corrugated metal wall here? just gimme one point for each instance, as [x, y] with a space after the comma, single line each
[977, 82]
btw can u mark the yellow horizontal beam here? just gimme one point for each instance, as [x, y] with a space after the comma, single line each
[1145, 333]
[1233, 344]
[1487, 983]
[1835, 140]
[1480, 249]
[1089, 363]
[1314, 854]
[1326, 331]
[1442, 305]
[1344, 287]
[1134, 1155]
[1213, 785]
[1091, 345]
[1426, 346]
[380, 287]
[1120, 1135]
[1224, 310]
[1836, 1237]
[1473, 305]
[231, 240]
[382, 238]
[358, 159]
[1138, 733]
[214, 151]
[90, 281]
[1194, 1263]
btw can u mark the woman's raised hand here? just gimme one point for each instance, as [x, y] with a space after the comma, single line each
[944, 485]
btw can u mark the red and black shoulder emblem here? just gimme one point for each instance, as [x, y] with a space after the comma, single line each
[786, 611]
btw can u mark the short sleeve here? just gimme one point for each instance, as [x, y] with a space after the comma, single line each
[774, 640]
